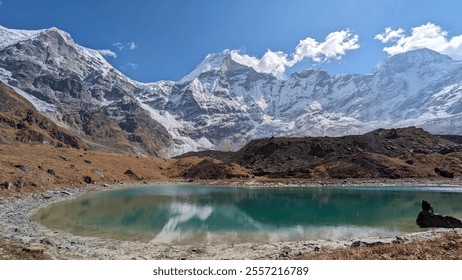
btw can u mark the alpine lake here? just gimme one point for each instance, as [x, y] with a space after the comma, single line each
[186, 214]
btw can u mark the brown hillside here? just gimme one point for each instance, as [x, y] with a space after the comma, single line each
[21, 122]
[393, 153]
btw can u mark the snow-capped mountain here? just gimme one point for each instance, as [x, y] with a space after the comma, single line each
[222, 104]
[79, 90]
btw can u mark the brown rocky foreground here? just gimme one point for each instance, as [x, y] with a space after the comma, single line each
[39, 171]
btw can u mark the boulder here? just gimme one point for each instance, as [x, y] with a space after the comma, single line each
[428, 219]
[88, 180]
[6, 185]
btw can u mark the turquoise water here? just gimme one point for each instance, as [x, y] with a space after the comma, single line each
[195, 214]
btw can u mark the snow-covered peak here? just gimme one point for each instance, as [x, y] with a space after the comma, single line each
[416, 58]
[212, 62]
[10, 37]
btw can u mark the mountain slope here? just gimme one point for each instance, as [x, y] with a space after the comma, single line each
[393, 153]
[79, 90]
[230, 104]
[222, 104]
[21, 122]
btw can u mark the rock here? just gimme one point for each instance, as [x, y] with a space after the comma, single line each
[444, 173]
[22, 167]
[46, 241]
[65, 193]
[357, 244]
[47, 195]
[64, 158]
[6, 185]
[88, 180]
[427, 218]
[20, 183]
[87, 161]
[98, 173]
[130, 173]
[105, 186]
[51, 171]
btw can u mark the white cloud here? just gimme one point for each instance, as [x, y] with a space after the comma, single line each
[389, 35]
[107, 53]
[133, 66]
[271, 62]
[335, 45]
[429, 36]
[121, 46]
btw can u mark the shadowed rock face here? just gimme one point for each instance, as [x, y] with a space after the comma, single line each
[427, 218]
[384, 153]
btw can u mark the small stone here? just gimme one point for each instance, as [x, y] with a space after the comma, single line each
[20, 183]
[88, 180]
[22, 167]
[64, 158]
[47, 196]
[46, 241]
[6, 185]
[51, 171]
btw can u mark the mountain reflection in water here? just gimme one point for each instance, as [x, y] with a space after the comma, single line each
[195, 214]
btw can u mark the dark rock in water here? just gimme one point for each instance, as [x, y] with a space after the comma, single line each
[426, 206]
[427, 218]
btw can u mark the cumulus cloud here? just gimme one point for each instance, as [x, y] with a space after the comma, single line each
[389, 35]
[335, 46]
[429, 36]
[107, 53]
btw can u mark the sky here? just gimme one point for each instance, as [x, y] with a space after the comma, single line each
[151, 40]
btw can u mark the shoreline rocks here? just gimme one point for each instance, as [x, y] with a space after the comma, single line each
[428, 219]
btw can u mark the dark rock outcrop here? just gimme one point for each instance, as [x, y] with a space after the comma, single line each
[384, 153]
[427, 218]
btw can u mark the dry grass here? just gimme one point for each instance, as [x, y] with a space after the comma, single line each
[446, 247]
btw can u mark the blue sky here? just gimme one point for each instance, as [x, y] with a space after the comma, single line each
[155, 40]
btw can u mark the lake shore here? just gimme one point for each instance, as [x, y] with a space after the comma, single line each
[16, 225]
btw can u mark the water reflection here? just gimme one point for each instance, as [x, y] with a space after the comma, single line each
[188, 214]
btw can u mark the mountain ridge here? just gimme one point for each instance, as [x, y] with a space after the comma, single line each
[223, 105]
